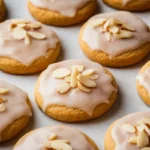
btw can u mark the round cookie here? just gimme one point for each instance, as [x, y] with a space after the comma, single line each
[26, 47]
[56, 137]
[75, 90]
[62, 12]
[130, 5]
[143, 83]
[2, 10]
[129, 133]
[15, 110]
[116, 39]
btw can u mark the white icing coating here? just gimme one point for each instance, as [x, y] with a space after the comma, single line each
[34, 141]
[125, 2]
[144, 79]
[65, 7]
[18, 50]
[16, 105]
[75, 98]
[97, 41]
[120, 136]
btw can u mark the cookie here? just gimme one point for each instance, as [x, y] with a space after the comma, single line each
[130, 5]
[143, 83]
[62, 12]
[116, 39]
[15, 110]
[75, 90]
[131, 132]
[26, 47]
[2, 10]
[56, 137]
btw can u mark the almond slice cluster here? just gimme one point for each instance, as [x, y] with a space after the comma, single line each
[76, 78]
[23, 29]
[2, 101]
[140, 132]
[55, 144]
[113, 28]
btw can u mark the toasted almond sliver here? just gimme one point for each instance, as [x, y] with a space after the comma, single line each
[63, 88]
[145, 148]
[60, 146]
[127, 27]
[94, 76]
[139, 128]
[88, 72]
[68, 79]
[61, 73]
[47, 144]
[114, 21]
[146, 128]
[145, 121]
[19, 21]
[108, 36]
[2, 107]
[106, 25]
[74, 79]
[22, 25]
[83, 88]
[128, 128]
[19, 33]
[12, 26]
[85, 81]
[114, 29]
[34, 25]
[3, 91]
[52, 137]
[142, 140]
[98, 22]
[37, 35]
[27, 39]
[78, 67]
[3, 100]
[124, 34]
[133, 140]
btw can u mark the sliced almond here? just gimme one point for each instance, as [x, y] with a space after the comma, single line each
[83, 88]
[2, 107]
[98, 22]
[145, 121]
[12, 26]
[88, 72]
[19, 33]
[60, 146]
[85, 81]
[114, 29]
[106, 25]
[34, 25]
[94, 76]
[74, 79]
[146, 128]
[142, 140]
[3, 91]
[139, 128]
[133, 140]
[78, 67]
[61, 73]
[128, 128]
[27, 39]
[19, 21]
[22, 25]
[52, 137]
[37, 35]
[68, 79]
[145, 148]
[2, 100]
[108, 36]
[114, 21]
[127, 27]
[63, 88]
[124, 34]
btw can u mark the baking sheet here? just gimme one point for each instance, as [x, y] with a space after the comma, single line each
[128, 100]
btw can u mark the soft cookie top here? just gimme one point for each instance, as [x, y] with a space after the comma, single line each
[57, 137]
[78, 84]
[115, 33]
[25, 41]
[125, 2]
[132, 132]
[64, 7]
[13, 104]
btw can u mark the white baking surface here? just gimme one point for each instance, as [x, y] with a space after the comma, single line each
[128, 100]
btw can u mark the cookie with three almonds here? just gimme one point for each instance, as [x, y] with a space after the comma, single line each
[2, 10]
[75, 90]
[143, 83]
[15, 110]
[130, 5]
[56, 137]
[131, 132]
[116, 39]
[26, 47]
[62, 12]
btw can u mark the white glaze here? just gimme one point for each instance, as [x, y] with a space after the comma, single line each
[65, 7]
[98, 42]
[35, 140]
[18, 50]
[16, 105]
[75, 98]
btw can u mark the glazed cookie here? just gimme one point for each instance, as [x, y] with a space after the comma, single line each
[62, 12]
[143, 83]
[26, 47]
[131, 132]
[2, 10]
[75, 90]
[15, 110]
[115, 39]
[131, 5]
[56, 138]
